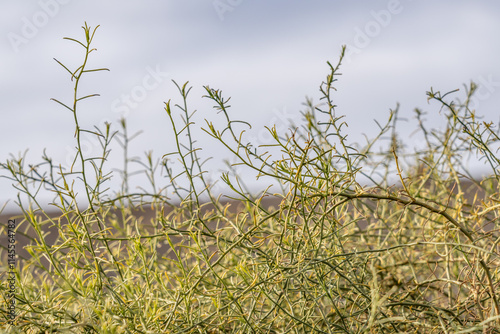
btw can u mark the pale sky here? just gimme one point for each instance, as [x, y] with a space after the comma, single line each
[267, 55]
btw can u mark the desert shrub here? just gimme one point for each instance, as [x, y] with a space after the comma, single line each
[415, 250]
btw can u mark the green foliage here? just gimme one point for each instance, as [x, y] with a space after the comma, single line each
[330, 256]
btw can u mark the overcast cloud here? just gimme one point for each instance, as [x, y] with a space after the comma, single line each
[267, 55]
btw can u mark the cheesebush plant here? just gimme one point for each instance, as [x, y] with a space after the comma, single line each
[416, 250]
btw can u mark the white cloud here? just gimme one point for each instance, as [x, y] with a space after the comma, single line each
[265, 54]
